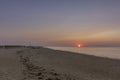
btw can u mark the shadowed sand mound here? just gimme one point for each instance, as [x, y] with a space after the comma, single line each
[33, 72]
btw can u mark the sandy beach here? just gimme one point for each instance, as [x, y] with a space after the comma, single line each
[38, 63]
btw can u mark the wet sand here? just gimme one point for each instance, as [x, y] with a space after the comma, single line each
[38, 63]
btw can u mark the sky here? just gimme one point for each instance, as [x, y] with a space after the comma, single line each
[60, 22]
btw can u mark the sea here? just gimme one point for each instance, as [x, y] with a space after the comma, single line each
[109, 52]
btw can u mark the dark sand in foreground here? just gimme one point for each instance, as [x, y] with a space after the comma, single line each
[46, 64]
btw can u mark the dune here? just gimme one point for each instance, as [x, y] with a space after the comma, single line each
[38, 63]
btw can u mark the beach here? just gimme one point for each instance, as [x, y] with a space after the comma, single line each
[39, 63]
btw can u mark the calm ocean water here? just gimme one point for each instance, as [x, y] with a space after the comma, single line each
[110, 52]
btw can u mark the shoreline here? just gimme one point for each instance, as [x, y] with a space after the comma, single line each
[37, 47]
[93, 51]
[57, 64]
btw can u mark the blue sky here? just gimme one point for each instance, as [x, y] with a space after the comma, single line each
[60, 22]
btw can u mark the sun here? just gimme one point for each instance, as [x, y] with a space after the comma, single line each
[79, 45]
